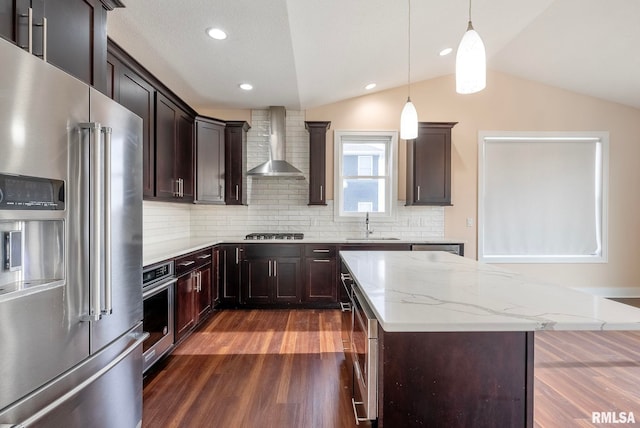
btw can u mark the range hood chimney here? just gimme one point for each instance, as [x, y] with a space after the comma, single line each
[276, 166]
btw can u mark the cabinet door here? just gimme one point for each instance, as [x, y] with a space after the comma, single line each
[166, 134]
[185, 305]
[184, 156]
[136, 94]
[429, 165]
[209, 162]
[317, 162]
[287, 280]
[320, 280]
[76, 39]
[229, 265]
[203, 295]
[235, 162]
[256, 281]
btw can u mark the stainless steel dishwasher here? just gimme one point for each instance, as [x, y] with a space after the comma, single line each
[457, 249]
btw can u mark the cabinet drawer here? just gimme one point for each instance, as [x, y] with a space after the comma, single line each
[320, 251]
[187, 263]
[254, 251]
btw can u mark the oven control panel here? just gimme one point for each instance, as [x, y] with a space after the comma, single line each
[156, 273]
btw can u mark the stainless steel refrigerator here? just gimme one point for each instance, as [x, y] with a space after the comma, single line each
[71, 229]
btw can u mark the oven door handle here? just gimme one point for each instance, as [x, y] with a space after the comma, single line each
[161, 287]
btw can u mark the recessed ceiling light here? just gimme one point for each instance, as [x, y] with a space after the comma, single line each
[370, 86]
[246, 86]
[446, 51]
[216, 33]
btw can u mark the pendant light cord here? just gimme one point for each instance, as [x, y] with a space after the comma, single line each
[469, 10]
[409, 54]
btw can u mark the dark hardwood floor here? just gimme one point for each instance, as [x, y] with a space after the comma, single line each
[255, 368]
[286, 368]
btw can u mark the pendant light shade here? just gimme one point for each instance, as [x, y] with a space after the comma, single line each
[409, 115]
[471, 62]
[409, 121]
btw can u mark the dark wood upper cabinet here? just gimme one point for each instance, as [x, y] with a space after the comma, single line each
[132, 91]
[76, 34]
[168, 156]
[210, 171]
[174, 151]
[429, 165]
[317, 161]
[235, 147]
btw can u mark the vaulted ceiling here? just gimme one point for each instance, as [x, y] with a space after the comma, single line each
[306, 53]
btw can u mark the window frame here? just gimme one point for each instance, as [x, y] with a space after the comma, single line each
[601, 181]
[390, 139]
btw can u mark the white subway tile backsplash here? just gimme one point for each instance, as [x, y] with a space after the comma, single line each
[279, 204]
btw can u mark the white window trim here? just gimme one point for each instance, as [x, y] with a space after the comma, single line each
[392, 186]
[603, 177]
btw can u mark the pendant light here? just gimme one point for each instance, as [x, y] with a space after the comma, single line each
[471, 62]
[409, 116]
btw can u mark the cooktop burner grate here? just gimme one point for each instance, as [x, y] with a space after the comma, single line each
[283, 236]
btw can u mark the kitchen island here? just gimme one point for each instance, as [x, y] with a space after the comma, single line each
[455, 343]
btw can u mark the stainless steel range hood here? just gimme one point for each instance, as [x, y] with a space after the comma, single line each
[276, 166]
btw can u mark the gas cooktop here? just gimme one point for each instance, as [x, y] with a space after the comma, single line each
[285, 236]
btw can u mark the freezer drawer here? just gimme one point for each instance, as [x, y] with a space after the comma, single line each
[103, 391]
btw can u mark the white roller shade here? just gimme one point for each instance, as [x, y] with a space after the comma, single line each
[542, 197]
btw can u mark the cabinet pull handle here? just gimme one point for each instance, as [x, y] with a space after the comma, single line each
[355, 412]
[44, 38]
[181, 187]
[275, 268]
[320, 251]
[345, 307]
[204, 256]
[321, 260]
[237, 255]
[321, 192]
[418, 194]
[237, 192]
[187, 263]
[29, 16]
[199, 275]
[269, 268]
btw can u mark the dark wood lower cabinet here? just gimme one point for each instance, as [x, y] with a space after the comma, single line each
[203, 295]
[229, 275]
[271, 274]
[455, 379]
[185, 306]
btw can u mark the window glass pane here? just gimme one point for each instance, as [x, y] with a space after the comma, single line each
[364, 195]
[364, 159]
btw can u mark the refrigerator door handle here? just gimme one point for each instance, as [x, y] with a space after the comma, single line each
[95, 274]
[106, 198]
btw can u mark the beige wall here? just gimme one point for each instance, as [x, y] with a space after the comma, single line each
[514, 104]
[225, 114]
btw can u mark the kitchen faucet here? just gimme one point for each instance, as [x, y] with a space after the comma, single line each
[368, 231]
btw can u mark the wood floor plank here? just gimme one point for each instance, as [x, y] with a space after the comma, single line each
[286, 368]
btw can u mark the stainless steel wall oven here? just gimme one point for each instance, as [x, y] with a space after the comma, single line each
[364, 347]
[158, 283]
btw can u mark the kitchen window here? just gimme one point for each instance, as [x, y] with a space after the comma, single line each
[542, 197]
[366, 173]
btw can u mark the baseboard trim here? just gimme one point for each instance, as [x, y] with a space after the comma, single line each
[622, 292]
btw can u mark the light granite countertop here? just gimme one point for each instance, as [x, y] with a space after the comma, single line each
[438, 291]
[166, 250]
